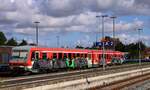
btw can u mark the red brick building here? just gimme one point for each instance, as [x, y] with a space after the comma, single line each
[5, 54]
[147, 53]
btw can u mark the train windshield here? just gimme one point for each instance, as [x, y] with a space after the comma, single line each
[19, 54]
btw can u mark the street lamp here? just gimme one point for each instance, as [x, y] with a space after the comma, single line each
[139, 34]
[36, 24]
[113, 19]
[103, 46]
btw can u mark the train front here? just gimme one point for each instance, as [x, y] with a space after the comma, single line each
[19, 59]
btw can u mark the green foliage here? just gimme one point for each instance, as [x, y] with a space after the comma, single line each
[120, 46]
[11, 42]
[3, 39]
[79, 46]
[133, 49]
[24, 42]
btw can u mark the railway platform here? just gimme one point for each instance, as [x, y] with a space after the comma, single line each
[97, 82]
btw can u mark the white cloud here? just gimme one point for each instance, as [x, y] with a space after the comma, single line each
[70, 15]
[127, 38]
[60, 8]
[85, 41]
[129, 26]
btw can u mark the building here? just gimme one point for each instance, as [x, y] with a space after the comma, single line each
[147, 53]
[5, 55]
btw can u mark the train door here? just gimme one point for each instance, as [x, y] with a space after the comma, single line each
[49, 60]
[49, 56]
[43, 60]
[55, 61]
[108, 58]
[113, 61]
[100, 59]
[89, 60]
[103, 59]
[44, 55]
[61, 60]
[71, 62]
[95, 60]
[37, 55]
[77, 60]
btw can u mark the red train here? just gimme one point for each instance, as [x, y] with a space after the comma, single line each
[38, 59]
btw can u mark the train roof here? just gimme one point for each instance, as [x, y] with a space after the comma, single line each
[40, 47]
[61, 49]
[22, 47]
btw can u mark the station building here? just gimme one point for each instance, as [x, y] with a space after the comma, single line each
[147, 53]
[5, 55]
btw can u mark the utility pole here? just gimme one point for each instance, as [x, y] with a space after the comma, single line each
[36, 24]
[114, 41]
[139, 34]
[103, 43]
[98, 28]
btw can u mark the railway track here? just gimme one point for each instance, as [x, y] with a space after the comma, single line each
[45, 79]
[123, 84]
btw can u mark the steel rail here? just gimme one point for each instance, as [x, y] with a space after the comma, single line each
[51, 79]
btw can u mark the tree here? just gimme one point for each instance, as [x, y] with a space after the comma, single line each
[133, 49]
[24, 42]
[3, 39]
[94, 46]
[120, 46]
[79, 47]
[11, 42]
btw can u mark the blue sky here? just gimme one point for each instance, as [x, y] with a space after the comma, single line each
[74, 21]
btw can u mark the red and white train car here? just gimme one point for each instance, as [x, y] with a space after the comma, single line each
[31, 58]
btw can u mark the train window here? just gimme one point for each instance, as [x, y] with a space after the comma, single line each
[73, 55]
[100, 56]
[108, 56]
[21, 54]
[59, 55]
[82, 55]
[78, 55]
[44, 56]
[89, 55]
[33, 56]
[65, 55]
[69, 55]
[85, 55]
[36, 55]
[54, 55]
